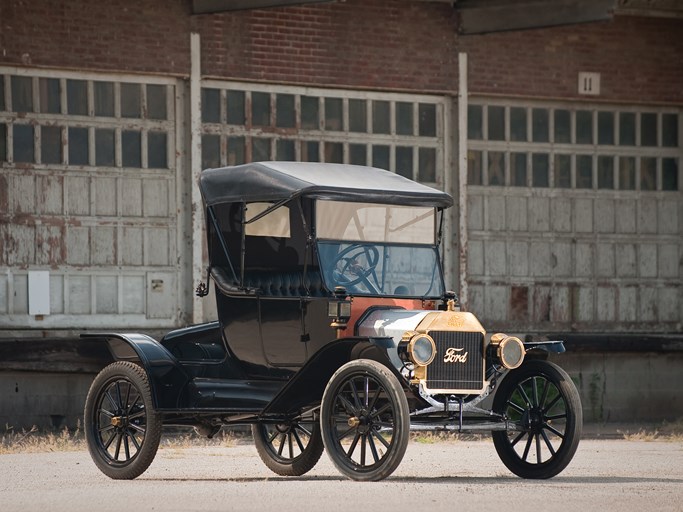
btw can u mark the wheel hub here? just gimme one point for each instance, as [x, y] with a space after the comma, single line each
[533, 419]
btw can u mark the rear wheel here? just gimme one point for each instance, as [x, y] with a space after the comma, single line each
[543, 402]
[365, 420]
[122, 429]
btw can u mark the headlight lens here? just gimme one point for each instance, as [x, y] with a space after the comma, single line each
[510, 352]
[421, 349]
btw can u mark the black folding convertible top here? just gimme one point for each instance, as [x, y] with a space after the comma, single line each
[278, 181]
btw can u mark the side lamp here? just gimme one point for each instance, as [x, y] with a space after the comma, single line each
[339, 309]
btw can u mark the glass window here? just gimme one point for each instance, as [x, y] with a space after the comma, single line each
[79, 153]
[131, 102]
[584, 171]
[334, 120]
[606, 128]
[496, 121]
[22, 94]
[358, 154]
[427, 165]
[648, 174]
[23, 143]
[606, 172]
[211, 105]
[104, 99]
[474, 169]
[627, 129]
[380, 156]
[156, 101]
[131, 148]
[563, 171]
[285, 150]
[3, 140]
[563, 126]
[427, 119]
[260, 109]
[311, 151]
[358, 116]
[540, 170]
[627, 173]
[540, 125]
[77, 97]
[285, 115]
[51, 144]
[236, 151]
[584, 127]
[669, 174]
[211, 151]
[309, 112]
[381, 117]
[260, 149]
[518, 170]
[2, 93]
[496, 168]
[518, 124]
[648, 129]
[157, 150]
[334, 152]
[404, 118]
[104, 147]
[475, 120]
[404, 161]
[670, 130]
[50, 100]
[235, 107]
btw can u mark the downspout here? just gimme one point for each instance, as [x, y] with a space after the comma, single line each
[462, 178]
[197, 209]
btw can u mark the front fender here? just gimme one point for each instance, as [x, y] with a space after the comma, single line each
[167, 378]
[541, 349]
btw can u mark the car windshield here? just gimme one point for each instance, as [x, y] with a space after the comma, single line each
[374, 249]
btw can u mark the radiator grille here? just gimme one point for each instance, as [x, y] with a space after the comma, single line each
[468, 375]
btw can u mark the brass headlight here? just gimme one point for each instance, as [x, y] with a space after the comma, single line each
[421, 349]
[509, 350]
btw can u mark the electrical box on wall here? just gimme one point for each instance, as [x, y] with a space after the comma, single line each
[589, 83]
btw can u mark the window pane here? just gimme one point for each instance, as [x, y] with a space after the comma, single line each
[605, 128]
[77, 97]
[157, 150]
[131, 148]
[311, 151]
[236, 151]
[78, 146]
[496, 119]
[50, 101]
[563, 171]
[235, 107]
[474, 170]
[584, 171]
[670, 130]
[211, 151]
[104, 147]
[427, 163]
[404, 118]
[669, 174]
[475, 126]
[333, 114]
[496, 168]
[51, 144]
[518, 169]
[584, 127]
[648, 129]
[518, 124]
[23, 143]
[334, 152]
[260, 150]
[284, 150]
[404, 161]
[260, 109]
[358, 154]
[156, 102]
[211, 105]
[381, 117]
[627, 129]
[540, 125]
[627, 173]
[2, 93]
[130, 100]
[3, 142]
[427, 119]
[648, 174]
[540, 170]
[358, 115]
[380, 157]
[285, 116]
[606, 172]
[22, 94]
[563, 125]
[309, 112]
[104, 99]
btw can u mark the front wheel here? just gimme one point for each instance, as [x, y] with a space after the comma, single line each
[122, 429]
[543, 403]
[365, 420]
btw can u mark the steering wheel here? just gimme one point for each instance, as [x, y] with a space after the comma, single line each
[348, 269]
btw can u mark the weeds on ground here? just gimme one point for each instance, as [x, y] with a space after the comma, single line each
[33, 440]
[667, 432]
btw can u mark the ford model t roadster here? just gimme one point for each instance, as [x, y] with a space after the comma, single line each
[335, 333]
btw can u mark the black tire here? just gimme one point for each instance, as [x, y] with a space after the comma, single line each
[542, 400]
[122, 429]
[364, 404]
[289, 449]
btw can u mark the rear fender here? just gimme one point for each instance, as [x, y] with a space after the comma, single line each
[166, 376]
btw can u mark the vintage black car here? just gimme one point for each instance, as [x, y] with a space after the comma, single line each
[335, 332]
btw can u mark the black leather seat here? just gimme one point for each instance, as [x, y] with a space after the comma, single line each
[270, 283]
